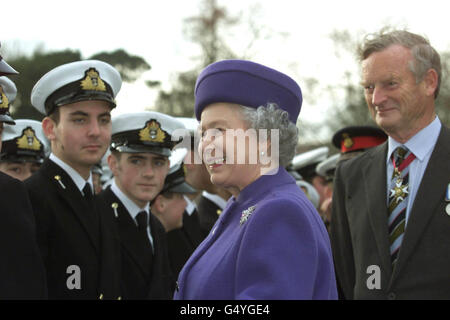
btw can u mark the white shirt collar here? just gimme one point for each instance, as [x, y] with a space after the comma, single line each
[218, 200]
[73, 174]
[190, 207]
[421, 143]
[132, 208]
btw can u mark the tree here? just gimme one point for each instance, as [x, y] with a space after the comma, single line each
[130, 66]
[208, 31]
[349, 106]
[33, 67]
[443, 100]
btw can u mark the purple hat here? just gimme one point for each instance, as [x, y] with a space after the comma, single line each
[246, 83]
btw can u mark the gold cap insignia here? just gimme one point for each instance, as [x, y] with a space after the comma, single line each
[92, 81]
[184, 170]
[348, 142]
[28, 140]
[152, 132]
[4, 102]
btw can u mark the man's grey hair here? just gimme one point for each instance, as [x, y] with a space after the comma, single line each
[272, 117]
[425, 56]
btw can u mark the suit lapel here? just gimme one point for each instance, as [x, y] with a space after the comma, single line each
[158, 273]
[430, 195]
[374, 173]
[202, 248]
[73, 197]
[191, 227]
[129, 237]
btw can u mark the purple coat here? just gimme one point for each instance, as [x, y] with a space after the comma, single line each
[281, 251]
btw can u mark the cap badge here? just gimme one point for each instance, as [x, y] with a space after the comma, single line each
[92, 81]
[28, 140]
[184, 170]
[4, 102]
[348, 142]
[152, 132]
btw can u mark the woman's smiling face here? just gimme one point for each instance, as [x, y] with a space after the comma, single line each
[224, 151]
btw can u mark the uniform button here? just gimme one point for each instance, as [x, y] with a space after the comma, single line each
[392, 296]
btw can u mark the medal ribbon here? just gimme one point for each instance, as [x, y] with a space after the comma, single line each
[404, 163]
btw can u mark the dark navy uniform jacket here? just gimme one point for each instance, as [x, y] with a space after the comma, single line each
[269, 243]
[72, 234]
[22, 273]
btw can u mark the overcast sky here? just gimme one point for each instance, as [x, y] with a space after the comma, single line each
[153, 30]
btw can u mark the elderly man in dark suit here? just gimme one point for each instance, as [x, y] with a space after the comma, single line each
[22, 273]
[391, 212]
[81, 254]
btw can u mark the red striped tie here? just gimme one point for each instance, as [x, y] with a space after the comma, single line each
[398, 199]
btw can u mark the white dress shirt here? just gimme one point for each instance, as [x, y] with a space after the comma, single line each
[132, 208]
[218, 200]
[190, 205]
[422, 145]
[76, 177]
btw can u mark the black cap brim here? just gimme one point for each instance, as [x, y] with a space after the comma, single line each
[182, 188]
[7, 119]
[165, 152]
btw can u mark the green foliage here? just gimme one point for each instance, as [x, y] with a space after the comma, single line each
[179, 101]
[352, 109]
[443, 100]
[130, 66]
[31, 69]
[205, 31]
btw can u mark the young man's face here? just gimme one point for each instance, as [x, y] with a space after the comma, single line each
[82, 134]
[139, 175]
[19, 170]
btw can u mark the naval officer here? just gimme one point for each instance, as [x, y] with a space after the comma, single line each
[22, 273]
[80, 252]
[139, 160]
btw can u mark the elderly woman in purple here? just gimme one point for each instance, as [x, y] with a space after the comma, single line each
[269, 242]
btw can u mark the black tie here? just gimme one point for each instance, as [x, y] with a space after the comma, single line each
[87, 191]
[147, 257]
[89, 200]
[142, 220]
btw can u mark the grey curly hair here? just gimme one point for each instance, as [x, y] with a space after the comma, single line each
[272, 117]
